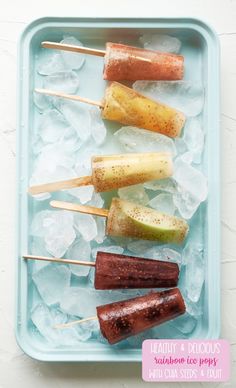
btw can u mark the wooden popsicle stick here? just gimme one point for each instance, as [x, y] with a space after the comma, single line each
[60, 185]
[69, 324]
[71, 47]
[61, 261]
[85, 50]
[80, 208]
[69, 97]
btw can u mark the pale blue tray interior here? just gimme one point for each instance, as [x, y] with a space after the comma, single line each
[200, 48]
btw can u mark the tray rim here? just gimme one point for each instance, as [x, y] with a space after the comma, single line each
[203, 28]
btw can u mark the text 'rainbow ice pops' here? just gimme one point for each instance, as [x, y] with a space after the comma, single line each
[124, 62]
[120, 320]
[127, 219]
[128, 107]
[110, 172]
[130, 63]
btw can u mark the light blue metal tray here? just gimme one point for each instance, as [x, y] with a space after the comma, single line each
[201, 51]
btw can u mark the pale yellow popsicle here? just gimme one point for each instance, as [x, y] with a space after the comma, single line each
[125, 105]
[110, 172]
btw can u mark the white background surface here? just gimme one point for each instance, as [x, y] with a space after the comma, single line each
[16, 369]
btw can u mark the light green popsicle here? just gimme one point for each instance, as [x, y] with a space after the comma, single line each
[132, 220]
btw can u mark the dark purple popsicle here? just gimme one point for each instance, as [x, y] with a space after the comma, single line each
[120, 320]
[114, 271]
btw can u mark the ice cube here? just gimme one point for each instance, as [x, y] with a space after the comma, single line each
[187, 157]
[91, 278]
[185, 323]
[172, 255]
[52, 156]
[180, 145]
[185, 203]
[139, 247]
[135, 193]
[101, 227]
[105, 248]
[192, 308]
[168, 185]
[194, 138]
[186, 96]
[190, 179]
[56, 227]
[77, 116]
[120, 241]
[83, 170]
[86, 153]
[80, 250]
[60, 233]
[146, 249]
[45, 318]
[136, 340]
[37, 226]
[65, 81]
[86, 225]
[42, 101]
[37, 144]
[140, 140]
[82, 302]
[98, 128]
[51, 281]
[194, 274]
[81, 332]
[50, 62]
[192, 188]
[87, 329]
[155, 253]
[84, 193]
[167, 330]
[96, 200]
[52, 126]
[37, 247]
[161, 42]
[72, 60]
[41, 176]
[164, 203]
[190, 249]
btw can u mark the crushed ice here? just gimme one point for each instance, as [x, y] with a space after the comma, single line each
[161, 42]
[185, 96]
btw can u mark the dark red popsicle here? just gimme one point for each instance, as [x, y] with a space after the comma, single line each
[120, 320]
[118, 271]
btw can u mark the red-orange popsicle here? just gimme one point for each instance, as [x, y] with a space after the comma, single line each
[129, 63]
